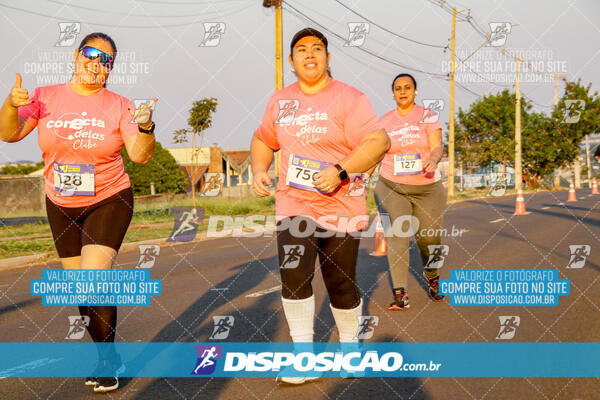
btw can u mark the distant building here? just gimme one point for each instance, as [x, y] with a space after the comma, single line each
[234, 164]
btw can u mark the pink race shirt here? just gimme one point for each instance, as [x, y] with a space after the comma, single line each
[410, 146]
[314, 131]
[82, 134]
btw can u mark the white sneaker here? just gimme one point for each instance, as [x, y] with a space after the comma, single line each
[293, 380]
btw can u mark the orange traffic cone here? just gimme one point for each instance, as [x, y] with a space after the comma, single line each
[520, 205]
[380, 247]
[572, 196]
[594, 186]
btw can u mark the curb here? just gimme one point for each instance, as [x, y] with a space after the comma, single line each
[35, 260]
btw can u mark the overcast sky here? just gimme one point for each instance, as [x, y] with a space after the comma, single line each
[161, 52]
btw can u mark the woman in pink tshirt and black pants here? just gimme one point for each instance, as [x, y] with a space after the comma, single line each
[327, 133]
[81, 129]
[409, 184]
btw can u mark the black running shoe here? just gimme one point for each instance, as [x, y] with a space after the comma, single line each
[106, 384]
[91, 381]
[434, 287]
[400, 302]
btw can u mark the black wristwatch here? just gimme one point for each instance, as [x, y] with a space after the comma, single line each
[148, 131]
[341, 172]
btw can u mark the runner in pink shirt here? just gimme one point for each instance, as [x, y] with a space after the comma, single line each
[409, 184]
[82, 127]
[328, 135]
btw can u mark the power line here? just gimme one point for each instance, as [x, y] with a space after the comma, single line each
[62, 18]
[292, 9]
[99, 10]
[389, 31]
[371, 39]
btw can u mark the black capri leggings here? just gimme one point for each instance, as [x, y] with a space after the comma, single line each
[297, 256]
[104, 223]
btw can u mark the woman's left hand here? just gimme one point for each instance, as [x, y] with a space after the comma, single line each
[142, 115]
[430, 165]
[327, 180]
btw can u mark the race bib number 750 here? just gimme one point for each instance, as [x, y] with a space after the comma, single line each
[301, 172]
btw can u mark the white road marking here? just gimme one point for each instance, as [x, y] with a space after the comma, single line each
[266, 291]
[545, 208]
[498, 220]
[14, 371]
[220, 288]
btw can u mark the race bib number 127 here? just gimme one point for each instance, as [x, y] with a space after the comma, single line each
[407, 164]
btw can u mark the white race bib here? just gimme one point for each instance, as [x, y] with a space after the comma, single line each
[301, 172]
[74, 179]
[407, 164]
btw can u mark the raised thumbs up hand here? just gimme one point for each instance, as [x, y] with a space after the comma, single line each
[142, 114]
[18, 96]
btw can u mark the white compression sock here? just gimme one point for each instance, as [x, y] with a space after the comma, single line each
[347, 322]
[300, 315]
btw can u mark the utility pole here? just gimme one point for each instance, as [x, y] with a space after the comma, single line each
[518, 165]
[556, 75]
[451, 122]
[587, 159]
[278, 58]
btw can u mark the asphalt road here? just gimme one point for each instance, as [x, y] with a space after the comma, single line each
[216, 277]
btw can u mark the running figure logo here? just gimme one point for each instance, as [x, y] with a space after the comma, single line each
[508, 327]
[207, 359]
[287, 111]
[292, 255]
[437, 255]
[186, 224]
[579, 252]
[142, 108]
[499, 33]
[213, 184]
[148, 254]
[432, 110]
[366, 326]
[77, 324]
[68, 33]
[357, 185]
[573, 110]
[223, 325]
[357, 33]
[212, 34]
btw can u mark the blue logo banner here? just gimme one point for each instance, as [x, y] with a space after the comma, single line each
[306, 359]
[504, 287]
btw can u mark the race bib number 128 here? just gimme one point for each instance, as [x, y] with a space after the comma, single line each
[74, 179]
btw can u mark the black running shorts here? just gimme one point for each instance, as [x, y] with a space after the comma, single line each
[103, 223]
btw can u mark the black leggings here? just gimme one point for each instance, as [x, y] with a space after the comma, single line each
[103, 223]
[337, 257]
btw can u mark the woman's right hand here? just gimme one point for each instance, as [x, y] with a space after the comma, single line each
[18, 96]
[259, 181]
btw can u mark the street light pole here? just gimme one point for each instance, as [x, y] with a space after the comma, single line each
[518, 163]
[278, 58]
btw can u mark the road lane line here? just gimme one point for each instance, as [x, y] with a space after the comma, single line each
[266, 291]
[498, 220]
[545, 208]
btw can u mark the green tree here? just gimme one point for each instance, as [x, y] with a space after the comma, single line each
[485, 134]
[576, 115]
[200, 119]
[21, 169]
[485, 131]
[162, 169]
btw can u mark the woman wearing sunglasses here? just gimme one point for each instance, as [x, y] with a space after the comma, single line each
[81, 129]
